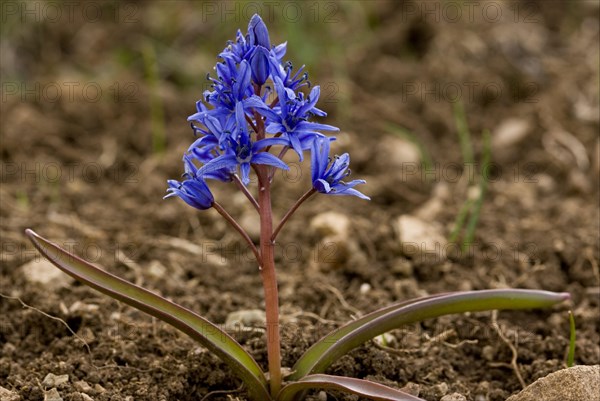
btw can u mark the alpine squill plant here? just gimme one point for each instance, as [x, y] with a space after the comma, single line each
[259, 109]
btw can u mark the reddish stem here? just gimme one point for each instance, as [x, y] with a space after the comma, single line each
[243, 188]
[269, 278]
[251, 124]
[239, 229]
[290, 212]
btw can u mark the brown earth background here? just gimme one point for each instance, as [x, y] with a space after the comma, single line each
[94, 103]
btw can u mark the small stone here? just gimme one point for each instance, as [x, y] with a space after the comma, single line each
[577, 383]
[82, 386]
[52, 380]
[8, 395]
[385, 339]
[488, 353]
[440, 389]
[42, 272]
[79, 306]
[364, 288]
[331, 224]
[87, 335]
[510, 132]
[322, 396]
[399, 152]
[86, 397]
[420, 239]
[454, 397]
[412, 389]
[52, 395]
[245, 318]
[156, 269]
[99, 389]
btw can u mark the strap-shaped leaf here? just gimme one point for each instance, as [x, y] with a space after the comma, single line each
[339, 342]
[206, 333]
[363, 388]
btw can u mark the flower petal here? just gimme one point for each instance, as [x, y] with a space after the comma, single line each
[269, 159]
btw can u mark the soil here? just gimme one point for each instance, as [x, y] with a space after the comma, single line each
[81, 168]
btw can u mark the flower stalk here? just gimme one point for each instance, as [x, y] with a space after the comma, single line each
[269, 280]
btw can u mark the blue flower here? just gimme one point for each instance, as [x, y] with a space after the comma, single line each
[232, 86]
[258, 32]
[290, 117]
[258, 36]
[193, 190]
[284, 73]
[327, 177]
[241, 152]
[239, 50]
[255, 48]
[239, 99]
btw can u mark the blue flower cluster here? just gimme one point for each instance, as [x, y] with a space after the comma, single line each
[236, 124]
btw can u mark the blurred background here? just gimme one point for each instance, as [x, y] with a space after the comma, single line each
[473, 122]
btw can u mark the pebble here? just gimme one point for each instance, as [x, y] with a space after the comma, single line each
[79, 306]
[577, 383]
[440, 389]
[156, 269]
[488, 353]
[420, 239]
[245, 318]
[398, 152]
[509, 132]
[8, 395]
[412, 389]
[86, 397]
[82, 386]
[331, 224]
[52, 395]
[385, 339]
[99, 389]
[364, 288]
[52, 380]
[42, 272]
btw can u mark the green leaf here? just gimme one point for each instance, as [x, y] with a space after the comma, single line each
[364, 388]
[206, 333]
[327, 350]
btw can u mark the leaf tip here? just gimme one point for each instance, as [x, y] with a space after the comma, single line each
[30, 233]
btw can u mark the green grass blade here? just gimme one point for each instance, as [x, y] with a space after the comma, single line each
[461, 218]
[572, 338]
[327, 350]
[464, 135]
[483, 185]
[363, 388]
[200, 329]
